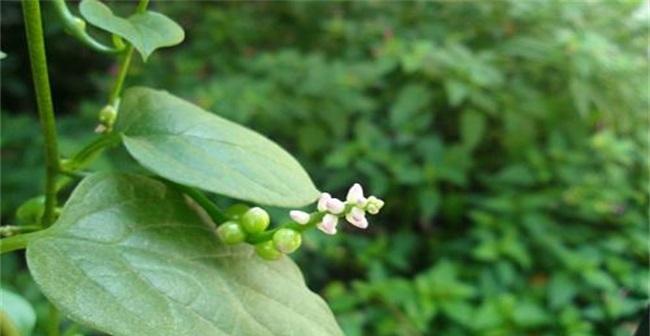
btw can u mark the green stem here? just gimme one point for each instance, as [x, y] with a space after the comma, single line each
[18, 242]
[76, 27]
[53, 321]
[215, 213]
[315, 218]
[36, 46]
[10, 230]
[114, 96]
[87, 154]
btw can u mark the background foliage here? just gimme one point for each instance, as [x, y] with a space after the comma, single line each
[509, 139]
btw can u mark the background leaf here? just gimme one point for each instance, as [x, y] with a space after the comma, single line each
[129, 257]
[146, 31]
[183, 143]
[20, 314]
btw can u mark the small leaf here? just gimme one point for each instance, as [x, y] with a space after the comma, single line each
[146, 31]
[2, 55]
[188, 145]
[128, 256]
[16, 314]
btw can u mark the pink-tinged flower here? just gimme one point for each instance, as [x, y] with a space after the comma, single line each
[357, 217]
[299, 217]
[355, 194]
[335, 206]
[328, 224]
[322, 201]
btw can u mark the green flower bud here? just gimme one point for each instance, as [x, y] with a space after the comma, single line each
[287, 240]
[107, 115]
[231, 233]
[79, 24]
[255, 220]
[267, 251]
[31, 211]
[236, 211]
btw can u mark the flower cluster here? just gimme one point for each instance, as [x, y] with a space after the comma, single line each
[353, 209]
[250, 225]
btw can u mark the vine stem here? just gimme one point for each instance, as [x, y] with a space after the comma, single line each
[36, 47]
[114, 96]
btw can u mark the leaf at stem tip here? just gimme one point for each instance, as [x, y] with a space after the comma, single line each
[146, 31]
[188, 145]
[128, 256]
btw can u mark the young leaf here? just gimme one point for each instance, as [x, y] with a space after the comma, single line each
[128, 256]
[183, 143]
[146, 31]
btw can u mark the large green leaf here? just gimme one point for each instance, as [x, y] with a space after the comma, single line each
[128, 256]
[146, 31]
[183, 143]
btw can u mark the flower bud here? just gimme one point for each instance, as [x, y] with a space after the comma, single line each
[287, 240]
[107, 117]
[267, 250]
[79, 24]
[335, 206]
[355, 194]
[255, 220]
[231, 233]
[328, 224]
[299, 217]
[236, 211]
[373, 205]
[357, 217]
[322, 201]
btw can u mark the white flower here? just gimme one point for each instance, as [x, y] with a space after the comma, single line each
[322, 201]
[373, 205]
[355, 194]
[335, 206]
[357, 217]
[328, 224]
[299, 217]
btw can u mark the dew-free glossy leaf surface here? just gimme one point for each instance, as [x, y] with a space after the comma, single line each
[183, 143]
[146, 31]
[129, 257]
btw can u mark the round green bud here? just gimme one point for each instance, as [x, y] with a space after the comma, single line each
[107, 115]
[287, 240]
[79, 24]
[231, 233]
[236, 211]
[267, 251]
[31, 211]
[255, 220]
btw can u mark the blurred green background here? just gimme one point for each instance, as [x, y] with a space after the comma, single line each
[509, 140]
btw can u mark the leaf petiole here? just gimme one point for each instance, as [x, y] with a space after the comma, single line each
[76, 27]
[19, 242]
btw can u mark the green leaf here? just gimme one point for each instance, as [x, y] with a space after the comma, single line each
[146, 31]
[16, 314]
[2, 55]
[128, 256]
[472, 126]
[183, 143]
